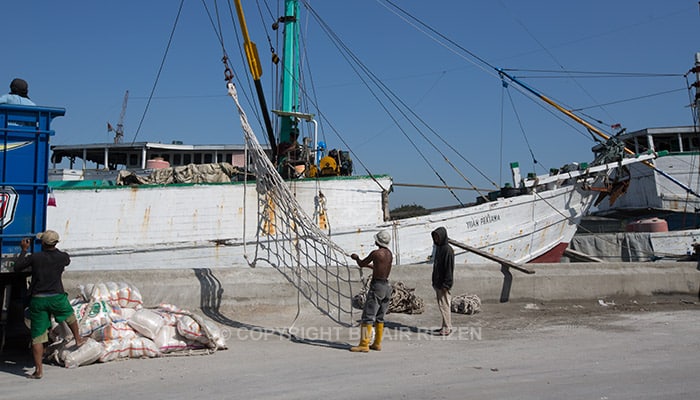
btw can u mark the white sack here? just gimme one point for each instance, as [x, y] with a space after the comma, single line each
[86, 354]
[146, 322]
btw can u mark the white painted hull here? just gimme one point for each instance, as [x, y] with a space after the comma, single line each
[195, 226]
[519, 228]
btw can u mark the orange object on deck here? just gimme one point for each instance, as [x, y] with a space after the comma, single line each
[157, 163]
[648, 225]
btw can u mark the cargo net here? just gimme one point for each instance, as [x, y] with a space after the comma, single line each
[289, 240]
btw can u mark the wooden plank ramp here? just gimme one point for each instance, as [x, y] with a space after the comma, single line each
[485, 254]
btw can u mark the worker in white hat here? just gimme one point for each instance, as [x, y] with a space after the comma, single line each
[379, 294]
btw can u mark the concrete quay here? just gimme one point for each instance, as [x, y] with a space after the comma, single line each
[531, 347]
[250, 288]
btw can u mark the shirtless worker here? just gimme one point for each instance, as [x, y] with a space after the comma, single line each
[379, 294]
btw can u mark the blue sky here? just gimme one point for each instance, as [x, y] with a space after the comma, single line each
[84, 55]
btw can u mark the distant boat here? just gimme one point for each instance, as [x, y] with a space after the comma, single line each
[107, 226]
[657, 218]
[652, 193]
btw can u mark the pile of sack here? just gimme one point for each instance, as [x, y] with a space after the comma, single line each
[111, 315]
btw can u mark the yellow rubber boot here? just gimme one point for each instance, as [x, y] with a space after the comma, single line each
[365, 334]
[378, 333]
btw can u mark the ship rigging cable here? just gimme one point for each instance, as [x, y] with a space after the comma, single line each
[160, 69]
[521, 86]
[378, 89]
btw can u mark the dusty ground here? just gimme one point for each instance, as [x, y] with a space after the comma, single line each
[496, 320]
[505, 320]
[627, 348]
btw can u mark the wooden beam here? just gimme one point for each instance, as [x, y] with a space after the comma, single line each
[485, 254]
[577, 255]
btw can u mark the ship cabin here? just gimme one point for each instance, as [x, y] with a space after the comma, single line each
[674, 140]
[105, 160]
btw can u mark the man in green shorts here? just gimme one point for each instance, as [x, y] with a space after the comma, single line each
[48, 297]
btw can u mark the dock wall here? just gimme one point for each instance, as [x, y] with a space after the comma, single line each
[265, 286]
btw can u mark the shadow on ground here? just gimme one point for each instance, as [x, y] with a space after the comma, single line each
[210, 303]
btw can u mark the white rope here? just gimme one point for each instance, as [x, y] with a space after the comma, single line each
[245, 204]
[466, 304]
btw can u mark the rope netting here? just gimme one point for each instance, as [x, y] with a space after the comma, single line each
[289, 240]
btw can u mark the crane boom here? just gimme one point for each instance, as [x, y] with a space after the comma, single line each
[119, 131]
[119, 134]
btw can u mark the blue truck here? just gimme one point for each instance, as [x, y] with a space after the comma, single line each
[24, 194]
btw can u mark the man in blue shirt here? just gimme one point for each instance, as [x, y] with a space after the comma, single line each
[19, 93]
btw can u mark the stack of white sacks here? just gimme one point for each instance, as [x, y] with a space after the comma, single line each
[112, 317]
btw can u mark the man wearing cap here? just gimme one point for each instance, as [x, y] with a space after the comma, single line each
[379, 294]
[19, 93]
[48, 297]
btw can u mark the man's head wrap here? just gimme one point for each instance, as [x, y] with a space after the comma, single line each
[19, 87]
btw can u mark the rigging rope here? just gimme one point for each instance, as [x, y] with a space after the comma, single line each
[694, 174]
[160, 69]
[530, 92]
[364, 74]
[291, 242]
[522, 130]
[229, 75]
[463, 53]
[395, 100]
[551, 55]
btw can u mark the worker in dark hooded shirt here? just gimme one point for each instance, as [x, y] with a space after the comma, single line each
[443, 268]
